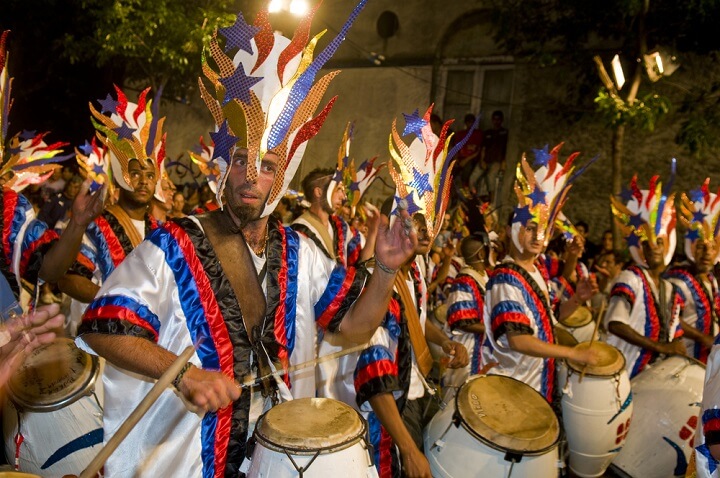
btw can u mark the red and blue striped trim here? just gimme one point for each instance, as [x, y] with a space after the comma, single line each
[207, 329]
[703, 308]
[124, 308]
[514, 276]
[36, 236]
[652, 322]
[383, 447]
[339, 284]
[620, 289]
[286, 310]
[465, 310]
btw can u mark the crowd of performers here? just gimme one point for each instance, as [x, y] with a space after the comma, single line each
[433, 301]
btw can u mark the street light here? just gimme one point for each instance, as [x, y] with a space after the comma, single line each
[296, 7]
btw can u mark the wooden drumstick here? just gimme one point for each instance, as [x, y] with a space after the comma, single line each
[592, 339]
[165, 380]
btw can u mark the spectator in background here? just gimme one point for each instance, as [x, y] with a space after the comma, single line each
[469, 156]
[493, 153]
[177, 206]
[591, 249]
[57, 206]
[54, 185]
[436, 124]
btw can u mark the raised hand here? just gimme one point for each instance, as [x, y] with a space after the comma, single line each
[88, 206]
[396, 244]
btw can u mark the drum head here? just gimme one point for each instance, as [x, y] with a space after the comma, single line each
[53, 376]
[610, 360]
[581, 316]
[306, 425]
[441, 313]
[563, 337]
[507, 415]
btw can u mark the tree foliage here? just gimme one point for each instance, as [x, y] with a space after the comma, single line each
[157, 41]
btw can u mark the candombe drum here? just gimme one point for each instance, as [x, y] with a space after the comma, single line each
[52, 423]
[499, 427]
[667, 396]
[596, 408]
[579, 324]
[17, 474]
[563, 337]
[439, 318]
[312, 438]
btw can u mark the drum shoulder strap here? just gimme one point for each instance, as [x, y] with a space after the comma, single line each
[322, 230]
[417, 337]
[126, 223]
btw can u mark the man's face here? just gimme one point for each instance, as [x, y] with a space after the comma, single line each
[496, 122]
[607, 241]
[143, 180]
[247, 200]
[581, 229]
[178, 202]
[704, 253]
[168, 189]
[72, 189]
[423, 245]
[338, 197]
[654, 252]
[528, 238]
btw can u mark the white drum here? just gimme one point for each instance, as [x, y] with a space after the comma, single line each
[580, 324]
[313, 438]
[596, 410]
[499, 427]
[667, 396]
[53, 420]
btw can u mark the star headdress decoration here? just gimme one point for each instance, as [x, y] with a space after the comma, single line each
[542, 193]
[648, 215]
[266, 94]
[131, 131]
[202, 156]
[424, 174]
[94, 163]
[26, 158]
[355, 180]
[700, 214]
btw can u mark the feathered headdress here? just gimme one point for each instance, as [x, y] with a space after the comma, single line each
[356, 181]
[93, 160]
[646, 215]
[265, 97]
[541, 193]
[425, 167]
[131, 131]
[202, 156]
[25, 155]
[700, 214]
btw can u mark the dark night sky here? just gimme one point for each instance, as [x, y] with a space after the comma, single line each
[49, 93]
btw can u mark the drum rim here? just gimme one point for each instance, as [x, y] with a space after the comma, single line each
[493, 445]
[83, 391]
[591, 374]
[271, 445]
[561, 321]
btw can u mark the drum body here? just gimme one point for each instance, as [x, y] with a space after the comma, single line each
[320, 436]
[580, 324]
[55, 409]
[667, 396]
[596, 410]
[498, 424]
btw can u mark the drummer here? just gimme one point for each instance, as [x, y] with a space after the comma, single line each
[642, 316]
[518, 312]
[466, 303]
[391, 371]
[695, 285]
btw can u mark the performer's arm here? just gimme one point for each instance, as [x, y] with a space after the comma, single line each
[372, 222]
[78, 287]
[456, 350]
[531, 345]
[448, 253]
[205, 389]
[85, 208]
[694, 334]
[414, 463]
[625, 332]
[395, 246]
